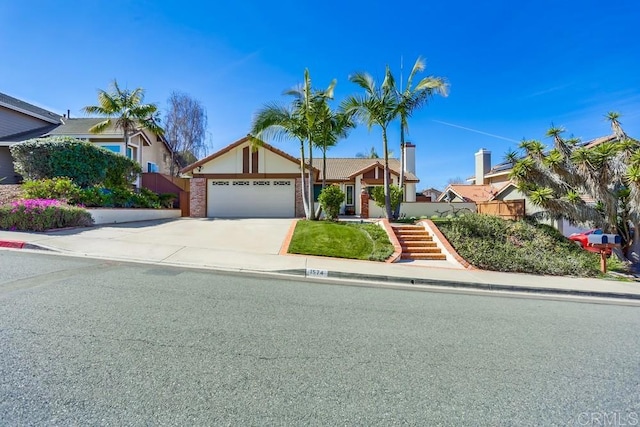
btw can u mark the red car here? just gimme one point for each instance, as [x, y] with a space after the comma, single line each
[582, 239]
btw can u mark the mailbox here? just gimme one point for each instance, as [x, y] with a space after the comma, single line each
[604, 239]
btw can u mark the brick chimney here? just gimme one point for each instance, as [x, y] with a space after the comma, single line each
[483, 165]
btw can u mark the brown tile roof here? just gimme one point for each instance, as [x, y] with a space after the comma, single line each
[475, 193]
[344, 169]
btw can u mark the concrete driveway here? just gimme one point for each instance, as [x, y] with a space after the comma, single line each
[234, 243]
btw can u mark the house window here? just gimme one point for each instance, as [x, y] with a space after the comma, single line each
[152, 167]
[129, 153]
[317, 188]
[349, 196]
[113, 148]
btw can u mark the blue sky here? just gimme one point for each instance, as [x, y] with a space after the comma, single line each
[513, 67]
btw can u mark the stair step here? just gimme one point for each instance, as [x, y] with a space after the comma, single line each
[406, 227]
[421, 256]
[408, 239]
[419, 244]
[422, 250]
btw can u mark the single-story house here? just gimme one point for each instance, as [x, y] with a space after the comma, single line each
[240, 181]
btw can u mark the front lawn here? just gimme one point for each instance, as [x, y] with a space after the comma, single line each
[341, 240]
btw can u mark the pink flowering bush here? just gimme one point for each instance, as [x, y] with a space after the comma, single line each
[41, 215]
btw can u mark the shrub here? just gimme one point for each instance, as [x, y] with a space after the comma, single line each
[41, 215]
[330, 199]
[84, 163]
[492, 243]
[54, 188]
[377, 193]
[124, 197]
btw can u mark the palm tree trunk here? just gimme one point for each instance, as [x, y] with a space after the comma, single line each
[324, 176]
[312, 210]
[396, 213]
[302, 184]
[387, 196]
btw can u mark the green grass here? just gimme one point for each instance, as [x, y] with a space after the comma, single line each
[491, 243]
[341, 240]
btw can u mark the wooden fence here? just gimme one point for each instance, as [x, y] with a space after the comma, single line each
[508, 209]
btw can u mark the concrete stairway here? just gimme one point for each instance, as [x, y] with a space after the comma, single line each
[417, 243]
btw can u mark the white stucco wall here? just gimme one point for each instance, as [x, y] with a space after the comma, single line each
[418, 209]
[116, 216]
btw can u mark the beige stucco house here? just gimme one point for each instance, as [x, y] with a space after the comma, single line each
[240, 181]
[20, 121]
[148, 149]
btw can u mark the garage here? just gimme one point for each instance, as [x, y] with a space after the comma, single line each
[250, 198]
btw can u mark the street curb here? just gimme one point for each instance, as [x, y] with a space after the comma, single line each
[468, 285]
[12, 244]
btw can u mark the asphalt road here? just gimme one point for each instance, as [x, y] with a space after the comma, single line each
[88, 342]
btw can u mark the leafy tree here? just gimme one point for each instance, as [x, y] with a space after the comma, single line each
[413, 98]
[378, 106]
[377, 193]
[185, 128]
[559, 179]
[331, 199]
[124, 108]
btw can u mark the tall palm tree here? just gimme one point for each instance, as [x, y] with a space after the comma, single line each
[309, 106]
[378, 106]
[332, 125]
[124, 108]
[413, 98]
[283, 122]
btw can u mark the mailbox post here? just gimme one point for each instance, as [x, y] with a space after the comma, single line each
[605, 244]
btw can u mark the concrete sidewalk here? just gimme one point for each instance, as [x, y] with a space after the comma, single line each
[253, 246]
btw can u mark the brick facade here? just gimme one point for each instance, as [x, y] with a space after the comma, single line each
[364, 204]
[198, 198]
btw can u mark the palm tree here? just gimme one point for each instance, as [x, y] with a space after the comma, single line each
[309, 106]
[378, 106]
[127, 110]
[332, 125]
[411, 99]
[282, 122]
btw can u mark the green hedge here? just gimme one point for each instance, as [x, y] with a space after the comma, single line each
[86, 164]
[41, 215]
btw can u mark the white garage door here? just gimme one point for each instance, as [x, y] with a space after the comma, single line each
[271, 198]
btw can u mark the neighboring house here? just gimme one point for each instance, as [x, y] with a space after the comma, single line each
[488, 183]
[239, 182]
[151, 151]
[20, 121]
[428, 195]
[493, 183]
